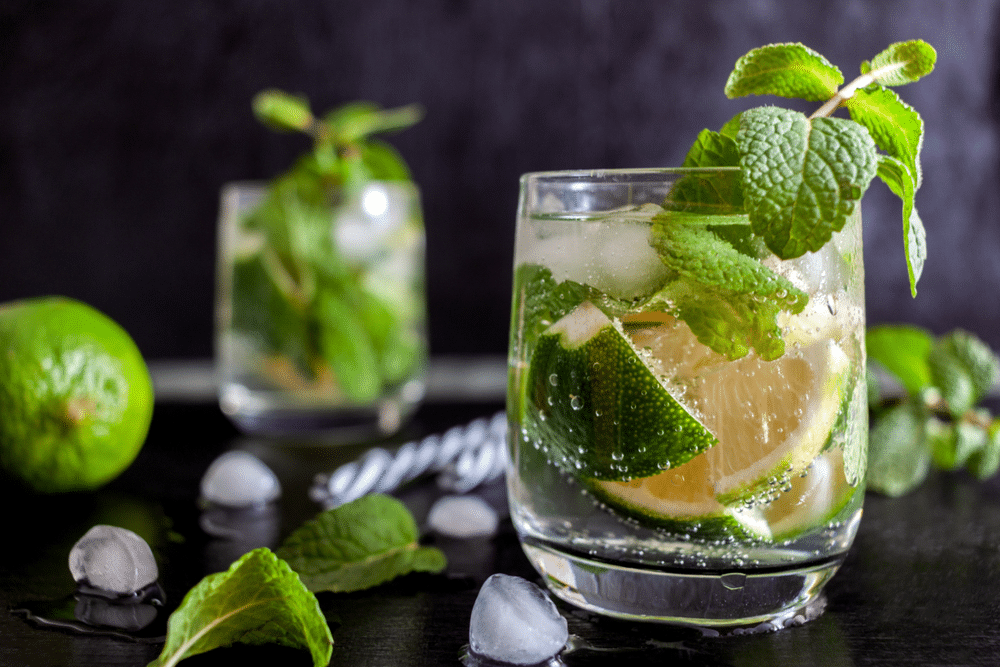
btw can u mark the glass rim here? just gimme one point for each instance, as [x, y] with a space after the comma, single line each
[598, 174]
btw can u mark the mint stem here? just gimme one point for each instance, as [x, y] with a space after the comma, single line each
[844, 94]
[847, 92]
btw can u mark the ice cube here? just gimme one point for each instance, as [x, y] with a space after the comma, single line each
[613, 256]
[463, 517]
[239, 479]
[515, 622]
[113, 559]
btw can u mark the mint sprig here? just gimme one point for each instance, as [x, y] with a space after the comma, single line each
[813, 192]
[937, 423]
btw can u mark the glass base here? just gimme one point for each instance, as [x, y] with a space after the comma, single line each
[270, 413]
[749, 600]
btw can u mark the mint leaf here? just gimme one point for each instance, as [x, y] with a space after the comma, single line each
[346, 346]
[964, 368]
[898, 457]
[786, 70]
[900, 180]
[712, 149]
[359, 120]
[259, 600]
[902, 350]
[802, 178]
[894, 125]
[282, 111]
[952, 445]
[901, 63]
[729, 300]
[359, 545]
[985, 463]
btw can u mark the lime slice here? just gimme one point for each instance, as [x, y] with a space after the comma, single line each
[681, 500]
[771, 418]
[600, 408]
[812, 498]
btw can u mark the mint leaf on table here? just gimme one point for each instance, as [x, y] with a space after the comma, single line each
[964, 368]
[903, 351]
[802, 178]
[361, 544]
[259, 600]
[786, 70]
[898, 457]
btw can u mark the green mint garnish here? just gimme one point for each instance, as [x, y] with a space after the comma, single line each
[802, 178]
[314, 309]
[728, 299]
[792, 70]
[259, 600]
[359, 545]
[937, 422]
[799, 180]
[787, 70]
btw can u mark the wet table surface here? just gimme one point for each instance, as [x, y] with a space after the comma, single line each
[921, 585]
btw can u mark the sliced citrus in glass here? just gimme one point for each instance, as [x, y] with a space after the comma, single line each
[600, 409]
[771, 419]
[812, 498]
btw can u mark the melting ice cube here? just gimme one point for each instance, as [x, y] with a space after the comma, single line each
[515, 622]
[239, 479]
[463, 517]
[113, 559]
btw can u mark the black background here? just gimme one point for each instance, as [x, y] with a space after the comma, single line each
[119, 122]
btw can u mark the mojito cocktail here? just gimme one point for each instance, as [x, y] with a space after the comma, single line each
[688, 427]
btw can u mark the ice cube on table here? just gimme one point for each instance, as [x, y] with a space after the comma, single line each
[239, 479]
[113, 560]
[463, 517]
[515, 622]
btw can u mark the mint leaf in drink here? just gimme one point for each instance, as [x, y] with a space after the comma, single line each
[259, 600]
[802, 177]
[903, 351]
[359, 545]
[898, 456]
[729, 299]
[282, 111]
[786, 70]
[901, 63]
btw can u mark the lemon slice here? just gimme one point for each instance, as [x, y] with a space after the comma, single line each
[600, 408]
[771, 419]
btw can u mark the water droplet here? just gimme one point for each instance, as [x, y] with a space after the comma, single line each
[554, 380]
[576, 403]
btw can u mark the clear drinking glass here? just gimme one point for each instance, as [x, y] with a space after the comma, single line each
[656, 477]
[320, 309]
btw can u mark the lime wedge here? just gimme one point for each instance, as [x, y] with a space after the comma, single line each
[600, 408]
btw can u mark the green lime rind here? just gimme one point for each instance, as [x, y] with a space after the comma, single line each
[727, 525]
[601, 410]
[793, 533]
[75, 395]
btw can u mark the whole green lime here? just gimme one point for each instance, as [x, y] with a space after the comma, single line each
[76, 398]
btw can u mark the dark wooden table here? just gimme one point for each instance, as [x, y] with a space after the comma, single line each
[921, 585]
